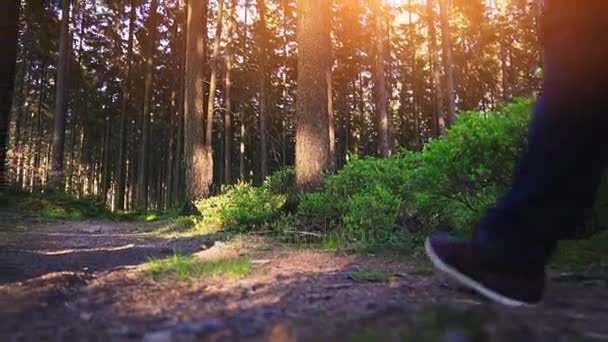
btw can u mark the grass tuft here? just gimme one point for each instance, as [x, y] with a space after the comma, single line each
[189, 267]
[371, 276]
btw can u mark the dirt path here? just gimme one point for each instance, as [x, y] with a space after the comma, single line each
[73, 281]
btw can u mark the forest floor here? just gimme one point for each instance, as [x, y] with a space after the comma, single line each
[63, 280]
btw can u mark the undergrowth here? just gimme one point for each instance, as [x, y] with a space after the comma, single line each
[371, 204]
[52, 204]
[186, 267]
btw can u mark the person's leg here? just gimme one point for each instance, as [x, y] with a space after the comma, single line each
[556, 181]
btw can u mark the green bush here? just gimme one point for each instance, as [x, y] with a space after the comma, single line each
[378, 202]
[241, 205]
[281, 181]
[459, 175]
[362, 201]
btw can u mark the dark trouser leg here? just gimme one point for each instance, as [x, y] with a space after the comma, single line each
[556, 181]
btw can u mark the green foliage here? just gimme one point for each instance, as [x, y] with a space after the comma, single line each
[281, 181]
[363, 201]
[392, 203]
[50, 203]
[320, 204]
[379, 203]
[581, 255]
[241, 205]
[372, 276]
[372, 215]
[462, 173]
[186, 267]
[54, 205]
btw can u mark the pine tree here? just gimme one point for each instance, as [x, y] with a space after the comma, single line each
[312, 137]
[197, 153]
[61, 98]
[9, 29]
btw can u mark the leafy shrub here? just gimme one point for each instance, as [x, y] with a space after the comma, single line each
[371, 212]
[363, 200]
[320, 204]
[281, 181]
[241, 205]
[379, 202]
[459, 175]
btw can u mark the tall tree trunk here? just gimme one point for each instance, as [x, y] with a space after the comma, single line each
[142, 174]
[381, 99]
[538, 9]
[243, 130]
[228, 95]
[284, 141]
[82, 103]
[119, 200]
[21, 126]
[506, 91]
[37, 171]
[438, 120]
[213, 87]
[414, 77]
[312, 136]
[196, 151]
[172, 119]
[331, 125]
[178, 185]
[9, 37]
[61, 101]
[262, 42]
[448, 61]
[105, 174]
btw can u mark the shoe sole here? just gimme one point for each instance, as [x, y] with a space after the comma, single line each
[470, 282]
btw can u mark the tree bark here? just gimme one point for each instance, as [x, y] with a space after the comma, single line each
[538, 9]
[37, 170]
[381, 99]
[105, 174]
[414, 79]
[142, 174]
[448, 61]
[312, 136]
[284, 139]
[61, 101]
[119, 199]
[438, 124]
[21, 126]
[178, 183]
[243, 130]
[213, 87]
[199, 172]
[331, 125]
[506, 90]
[228, 95]
[262, 42]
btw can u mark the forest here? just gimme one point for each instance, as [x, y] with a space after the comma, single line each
[268, 170]
[116, 99]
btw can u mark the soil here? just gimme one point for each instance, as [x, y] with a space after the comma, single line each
[63, 280]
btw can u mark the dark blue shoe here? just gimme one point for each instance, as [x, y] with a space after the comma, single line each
[507, 287]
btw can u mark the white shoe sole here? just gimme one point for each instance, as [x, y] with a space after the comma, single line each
[470, 282]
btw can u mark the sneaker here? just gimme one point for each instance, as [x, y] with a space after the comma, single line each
[510, 288]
